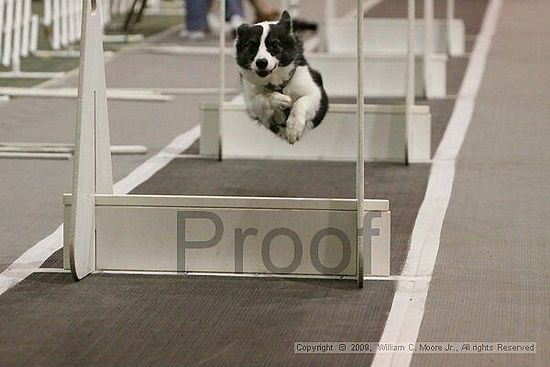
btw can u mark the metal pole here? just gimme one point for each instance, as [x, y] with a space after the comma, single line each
[409, 103]
[222, 76]
[428, 44]
[360, 165]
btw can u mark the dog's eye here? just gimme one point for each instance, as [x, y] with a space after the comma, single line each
[275, 44]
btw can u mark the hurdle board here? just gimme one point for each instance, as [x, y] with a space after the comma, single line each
[386, 75]
[242, 138]
[312, 238]
[235, 235]
[389, 35]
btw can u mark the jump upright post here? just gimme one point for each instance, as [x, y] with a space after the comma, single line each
[411, 67]
[360, 164]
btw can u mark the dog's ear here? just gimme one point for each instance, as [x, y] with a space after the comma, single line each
[286, 21]
[242, 29]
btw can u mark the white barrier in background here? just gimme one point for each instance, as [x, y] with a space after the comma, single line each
[18, 38]
[389, 36]
[386, 74]
[62, 19]
[385, 40]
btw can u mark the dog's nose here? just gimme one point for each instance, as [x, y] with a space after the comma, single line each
[261, 64]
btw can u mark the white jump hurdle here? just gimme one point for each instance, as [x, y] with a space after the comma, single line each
[312, 238]
[386, 74]
[333, 140]
[18, 38]
[389, 35]
[394, 133]
[386, 44]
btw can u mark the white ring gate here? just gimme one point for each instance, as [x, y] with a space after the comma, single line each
[18, 38]
[203, 234]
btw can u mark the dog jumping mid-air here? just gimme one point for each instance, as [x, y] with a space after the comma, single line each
[281, 90]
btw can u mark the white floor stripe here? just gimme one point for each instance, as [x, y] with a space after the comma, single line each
[28, 263]
[407, 311]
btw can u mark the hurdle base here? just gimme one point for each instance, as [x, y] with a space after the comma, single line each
[149, 233]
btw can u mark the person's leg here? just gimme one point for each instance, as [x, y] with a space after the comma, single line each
[264, 11]
[234, 13]
[196, 11]
[233, 8]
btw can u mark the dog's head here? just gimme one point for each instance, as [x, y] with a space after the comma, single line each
[264, 47]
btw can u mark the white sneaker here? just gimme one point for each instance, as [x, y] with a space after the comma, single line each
[213, 23]
[236, 21]
[192, 35]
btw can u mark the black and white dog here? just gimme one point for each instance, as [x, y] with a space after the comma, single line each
[281, 90]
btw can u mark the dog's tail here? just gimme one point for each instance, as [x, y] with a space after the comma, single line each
[301, 25]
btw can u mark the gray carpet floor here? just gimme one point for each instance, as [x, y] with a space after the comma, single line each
[495, 240]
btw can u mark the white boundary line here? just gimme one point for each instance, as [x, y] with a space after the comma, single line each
[31, 260]
[405, 317]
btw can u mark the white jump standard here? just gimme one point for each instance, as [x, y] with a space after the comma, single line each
[313, 238]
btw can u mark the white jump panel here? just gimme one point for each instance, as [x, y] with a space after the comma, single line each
[385, 75]
[333, 140]
[238, 235]
[389, 36]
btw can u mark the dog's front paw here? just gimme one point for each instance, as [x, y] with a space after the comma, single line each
[279, 101]
[294, 130]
